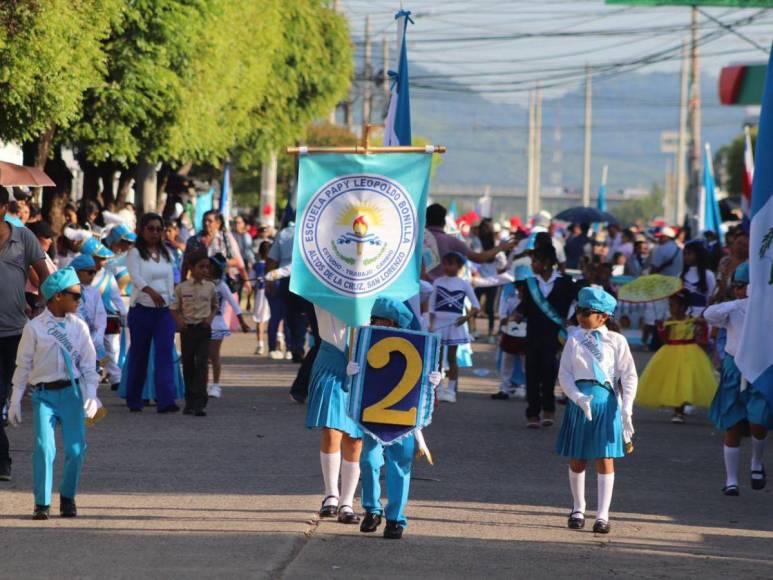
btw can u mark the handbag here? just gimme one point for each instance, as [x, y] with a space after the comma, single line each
[512, 340]
[235, 286]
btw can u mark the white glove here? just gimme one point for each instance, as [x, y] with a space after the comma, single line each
[90, 407]
[14, 407]
[352, 368]
[434, 378]
[76, 235]
[627, 426]
[583, 401]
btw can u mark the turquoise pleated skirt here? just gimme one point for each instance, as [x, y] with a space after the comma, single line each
[597, 439]
[731, 406]
[149, 388]
[328, 401]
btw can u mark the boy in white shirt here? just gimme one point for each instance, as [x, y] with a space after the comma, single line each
[56, 358]
[91, 309]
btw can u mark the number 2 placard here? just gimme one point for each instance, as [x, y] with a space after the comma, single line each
[390, 396]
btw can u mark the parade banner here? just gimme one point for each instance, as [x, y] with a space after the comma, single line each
[359, 231]
[391, 397]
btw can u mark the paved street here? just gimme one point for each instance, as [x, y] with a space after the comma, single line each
[234, 495]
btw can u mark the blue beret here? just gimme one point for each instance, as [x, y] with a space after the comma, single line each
[393, 310]
[59, 281]
[120, 232]
[93, 247]
[597, 299]
[741, 274]
[83, 262]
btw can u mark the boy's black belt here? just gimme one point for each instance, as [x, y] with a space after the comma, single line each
[54, 386]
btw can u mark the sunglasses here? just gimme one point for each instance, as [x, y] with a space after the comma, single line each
[587, 311]
[154, 228]
[739, 284]
[75, 295]
[90, 272]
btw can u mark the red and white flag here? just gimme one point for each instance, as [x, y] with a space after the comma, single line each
[748, 174]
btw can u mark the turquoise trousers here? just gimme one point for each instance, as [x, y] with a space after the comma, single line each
[398, 458]
[64, 406]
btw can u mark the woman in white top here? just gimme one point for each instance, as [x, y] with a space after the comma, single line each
[697, 278]
[151, 269]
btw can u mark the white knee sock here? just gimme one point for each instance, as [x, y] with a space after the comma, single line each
[732, 458]
[606, 484]
[350, 477]
[331, 467]
[758, 449]
[577, 483]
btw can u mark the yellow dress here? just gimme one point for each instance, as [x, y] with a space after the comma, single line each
[680, 372]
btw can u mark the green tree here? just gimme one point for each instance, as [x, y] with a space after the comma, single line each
[729, 163]
[643, 209]
[50, 53]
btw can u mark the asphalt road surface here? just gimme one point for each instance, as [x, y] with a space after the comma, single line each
[234, 495]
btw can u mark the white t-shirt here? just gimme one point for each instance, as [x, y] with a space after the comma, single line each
[698, 299]
[449, 295]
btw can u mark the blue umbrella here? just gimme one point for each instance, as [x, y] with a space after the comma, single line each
[585, 215]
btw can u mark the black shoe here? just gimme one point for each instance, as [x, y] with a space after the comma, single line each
[5, 470]
[200, 413]
[393, 530]
[114, 386]
[67, 507]
[300, 399]
[347, 516]
[135, 410]
[759, 482]
[576, 521]
[170, 409]
[298, 356]
[41, 512]
[731, 490]
[370, 523]
[328, 511]
[601, 527]
[500, 396]
[187, 411]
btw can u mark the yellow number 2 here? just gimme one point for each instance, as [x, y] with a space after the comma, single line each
[378, 357]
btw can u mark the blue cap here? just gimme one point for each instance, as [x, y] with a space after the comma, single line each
[393, 310]
[741, 274]
[522, 273]
[59, 281]
[459, 255]
[121, 232]
[93, 247]
[219, 261]
[82, 262]
[597, 299]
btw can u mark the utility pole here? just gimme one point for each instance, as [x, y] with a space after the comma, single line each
[367, 73]
[331, 118]
[587, 150]
[668, 190]
[695, 113]
[530, 159]
[385, 58]
[538, 149]
[677, 213]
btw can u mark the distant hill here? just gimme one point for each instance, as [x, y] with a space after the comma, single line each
[487, 141]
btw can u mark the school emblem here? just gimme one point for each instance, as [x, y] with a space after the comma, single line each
[358, 233]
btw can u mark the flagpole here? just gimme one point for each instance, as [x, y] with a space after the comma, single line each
[359, 149]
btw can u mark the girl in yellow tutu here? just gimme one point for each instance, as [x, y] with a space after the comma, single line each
[680, 373]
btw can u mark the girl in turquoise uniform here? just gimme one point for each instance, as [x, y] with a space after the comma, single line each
[398, 456]
[598, 375]
[341, 442]
[737, 404]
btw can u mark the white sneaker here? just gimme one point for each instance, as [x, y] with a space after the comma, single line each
[260, 349]
[520, 393]
[214, 391]
[276, 354]
[446, 396]
[288, 355]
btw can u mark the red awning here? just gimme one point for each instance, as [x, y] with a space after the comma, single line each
[12, 175]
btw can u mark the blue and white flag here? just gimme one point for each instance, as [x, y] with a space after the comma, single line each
[359, 224]
[709, 217]
[397, 127]
[202, 206]
[755, 355]
[225, 196]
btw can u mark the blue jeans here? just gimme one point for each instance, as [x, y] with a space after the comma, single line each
[399, 459]
[148, 325]
[64, 406]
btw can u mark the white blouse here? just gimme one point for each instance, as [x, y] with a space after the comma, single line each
[617, 363]
[729, 315]
[143, 273]
[331, 329]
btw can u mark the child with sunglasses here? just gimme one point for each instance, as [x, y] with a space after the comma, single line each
[91, 308]
[598, 375]
[738, 406]
[57, 362]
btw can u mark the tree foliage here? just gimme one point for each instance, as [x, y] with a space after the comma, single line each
[50, 53]
[640, 210]
[730, 163]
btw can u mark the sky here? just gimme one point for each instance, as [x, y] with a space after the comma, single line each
[503, 48]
